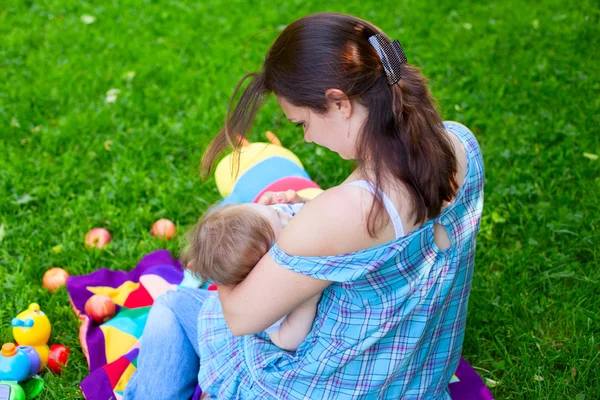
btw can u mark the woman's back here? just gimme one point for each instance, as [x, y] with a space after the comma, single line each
[392, 323]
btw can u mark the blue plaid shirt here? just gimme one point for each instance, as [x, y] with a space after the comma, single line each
[391, 325]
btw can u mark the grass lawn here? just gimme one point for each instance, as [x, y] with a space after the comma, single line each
[520, 74]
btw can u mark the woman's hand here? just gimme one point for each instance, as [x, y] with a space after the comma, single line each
[287, 197]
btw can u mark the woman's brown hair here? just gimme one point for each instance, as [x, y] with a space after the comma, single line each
[403, 136]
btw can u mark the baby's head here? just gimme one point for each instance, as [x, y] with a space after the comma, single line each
[229, 241]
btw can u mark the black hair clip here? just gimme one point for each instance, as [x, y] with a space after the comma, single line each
[391, 55]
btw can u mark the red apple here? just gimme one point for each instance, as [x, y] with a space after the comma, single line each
[97, 237]
[100, 307]
[163, 228]
[54, 278]
[58, 357]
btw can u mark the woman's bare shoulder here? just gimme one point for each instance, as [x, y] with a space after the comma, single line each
[332, 223]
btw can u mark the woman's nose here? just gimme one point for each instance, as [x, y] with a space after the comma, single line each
[307, 138]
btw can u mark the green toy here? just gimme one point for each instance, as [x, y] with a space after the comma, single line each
[10, 390]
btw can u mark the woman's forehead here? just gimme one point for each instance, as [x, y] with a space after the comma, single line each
[290, 110]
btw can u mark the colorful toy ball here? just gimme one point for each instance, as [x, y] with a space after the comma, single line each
[164, 229]
[54, 278]
[100, 307]
[97, 237]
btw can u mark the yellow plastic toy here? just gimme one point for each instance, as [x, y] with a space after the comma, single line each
[32, 328]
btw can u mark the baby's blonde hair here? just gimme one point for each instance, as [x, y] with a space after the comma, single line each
[227, 243]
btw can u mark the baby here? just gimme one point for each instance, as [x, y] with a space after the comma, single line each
[229, 241]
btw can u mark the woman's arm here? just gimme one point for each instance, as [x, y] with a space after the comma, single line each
[263, 298]
[296, 325]
[332, 223]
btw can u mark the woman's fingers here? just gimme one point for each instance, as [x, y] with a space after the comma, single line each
[271, 198]
[287, 197]
[292, 196]
[265, 198]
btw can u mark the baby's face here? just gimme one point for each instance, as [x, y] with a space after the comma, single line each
[278, 219]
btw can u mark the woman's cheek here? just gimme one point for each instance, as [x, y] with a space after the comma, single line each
[307, 137]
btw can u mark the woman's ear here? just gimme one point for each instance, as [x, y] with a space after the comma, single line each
[339, 102]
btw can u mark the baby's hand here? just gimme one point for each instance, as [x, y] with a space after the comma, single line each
[287, 197]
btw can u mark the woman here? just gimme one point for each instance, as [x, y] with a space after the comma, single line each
[391, 249]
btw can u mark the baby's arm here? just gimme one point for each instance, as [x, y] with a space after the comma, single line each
[296, 325]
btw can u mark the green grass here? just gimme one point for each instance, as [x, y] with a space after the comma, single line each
[522, 75]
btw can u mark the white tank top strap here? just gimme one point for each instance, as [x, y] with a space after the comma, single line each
[389, 206]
